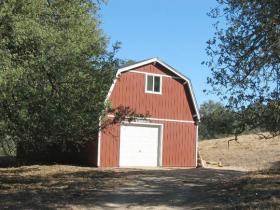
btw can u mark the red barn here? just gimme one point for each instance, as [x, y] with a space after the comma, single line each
[168, 137]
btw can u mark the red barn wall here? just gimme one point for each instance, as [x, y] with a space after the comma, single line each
[173, 103]
[179, 139]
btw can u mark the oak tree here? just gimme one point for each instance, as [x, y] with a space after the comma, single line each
[245, 59]
[55, 73]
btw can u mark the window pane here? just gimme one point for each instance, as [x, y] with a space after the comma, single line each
[157, 84]
[150, 83]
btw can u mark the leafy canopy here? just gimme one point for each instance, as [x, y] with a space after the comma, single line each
[55, 72]
[217, 121]
[245, 59]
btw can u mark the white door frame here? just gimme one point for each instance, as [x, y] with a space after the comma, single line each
[147, 124]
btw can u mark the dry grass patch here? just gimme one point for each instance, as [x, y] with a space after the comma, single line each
[249, 153]
[260, 188]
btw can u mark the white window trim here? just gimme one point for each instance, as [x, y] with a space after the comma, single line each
[146, 83]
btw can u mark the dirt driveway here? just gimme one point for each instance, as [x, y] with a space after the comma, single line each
[164, 189]
[71, 187]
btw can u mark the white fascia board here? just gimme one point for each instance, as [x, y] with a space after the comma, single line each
[152, 60]
[127, 68]
[189, 84]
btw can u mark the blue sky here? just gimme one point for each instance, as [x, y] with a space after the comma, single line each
[175, 31]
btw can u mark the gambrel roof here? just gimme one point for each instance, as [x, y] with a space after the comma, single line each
[168, 67]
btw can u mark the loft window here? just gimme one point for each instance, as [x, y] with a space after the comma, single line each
[153, 84]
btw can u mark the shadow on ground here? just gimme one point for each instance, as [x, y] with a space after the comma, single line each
[30, 188]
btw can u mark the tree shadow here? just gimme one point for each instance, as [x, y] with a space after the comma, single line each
[275, 166]
[13, 161]
[8, 161]
[123, 188]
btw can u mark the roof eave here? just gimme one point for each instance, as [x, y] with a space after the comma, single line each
[152, 60]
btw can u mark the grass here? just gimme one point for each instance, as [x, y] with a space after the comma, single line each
[260, 188]
[250, 153]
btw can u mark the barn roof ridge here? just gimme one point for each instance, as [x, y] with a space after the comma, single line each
[168, 67]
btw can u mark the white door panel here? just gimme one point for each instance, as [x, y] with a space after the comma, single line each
[139, 145]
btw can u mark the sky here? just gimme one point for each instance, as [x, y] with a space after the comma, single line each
[175, 31]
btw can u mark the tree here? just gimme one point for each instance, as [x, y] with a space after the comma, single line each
[216, 120]
[55, 73]
[245, 60]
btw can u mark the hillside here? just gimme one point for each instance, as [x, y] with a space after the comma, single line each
[249, 153]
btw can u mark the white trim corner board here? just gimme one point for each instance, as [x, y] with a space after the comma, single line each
[196, 145]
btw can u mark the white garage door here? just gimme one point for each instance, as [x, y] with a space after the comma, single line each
[139, 145]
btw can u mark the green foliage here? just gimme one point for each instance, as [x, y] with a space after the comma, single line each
[128, 62]
[245, 59]
[55, 72]
[219, 121]
[216, 121]
[7, 147]
[267, 115]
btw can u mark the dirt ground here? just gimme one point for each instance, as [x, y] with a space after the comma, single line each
[248, 154]
[71, 187]
[228, 187]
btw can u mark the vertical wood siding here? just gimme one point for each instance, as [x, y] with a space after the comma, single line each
[173, 103]
[178, 149]
[155, 69]
[179, 145]
[179, 139]
[110, 146]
